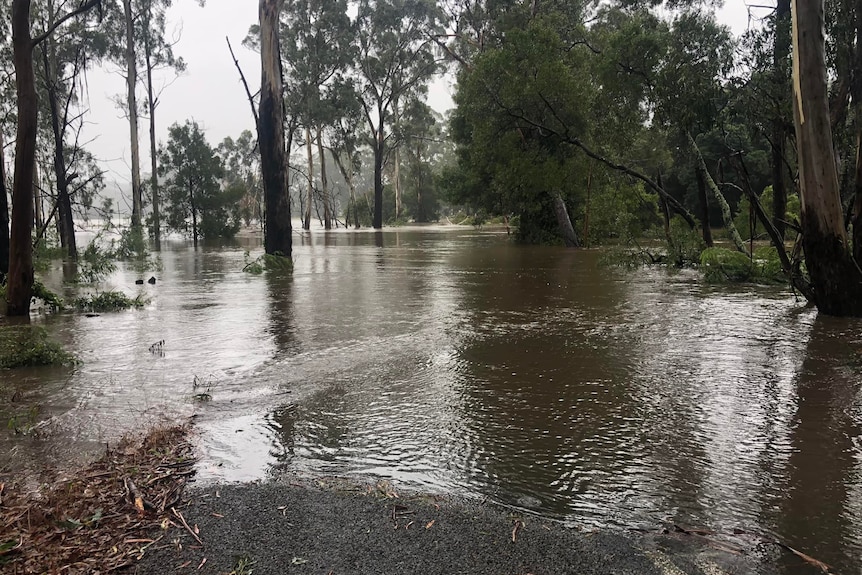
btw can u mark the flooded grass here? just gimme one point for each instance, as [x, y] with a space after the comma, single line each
[100, 518]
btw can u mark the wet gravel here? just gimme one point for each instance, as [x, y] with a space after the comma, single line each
[336, 527]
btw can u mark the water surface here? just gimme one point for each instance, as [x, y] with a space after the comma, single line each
[451, 359]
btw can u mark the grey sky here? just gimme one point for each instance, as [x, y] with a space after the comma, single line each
[210, 91]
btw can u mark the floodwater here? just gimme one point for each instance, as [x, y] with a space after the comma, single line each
[449, 359]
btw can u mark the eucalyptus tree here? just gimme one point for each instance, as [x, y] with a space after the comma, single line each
[4, 213]
[241, 162]
[316, 50]
[157, 54]
[345, 138]
[20, 281]
[422, 140]
[271, 133]
[62, 63]
[395, 59]
[835, 274]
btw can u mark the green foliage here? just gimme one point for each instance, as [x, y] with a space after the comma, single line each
[195, 204]
[52, 301]
[743, 220]
[95, 263]
[267, 262]
[107, 301]
[685, 245]
[131, 246]
[723, 265]
[28, 345]
[45, 251]
[620, 211]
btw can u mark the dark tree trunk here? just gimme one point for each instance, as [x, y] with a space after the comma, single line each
[65, 224]
[564, 222]
[4, 215]
[277, 233]
[194, 209]
[856, 90]
[781, 52]
[309, 190]
[19, 286]
[835, 276]
[704, 207]
[327, 207]
[377, 221]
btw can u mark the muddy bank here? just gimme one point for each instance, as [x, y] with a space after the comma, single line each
[336, 527]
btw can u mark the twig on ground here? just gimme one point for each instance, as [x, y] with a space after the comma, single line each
[186, 525]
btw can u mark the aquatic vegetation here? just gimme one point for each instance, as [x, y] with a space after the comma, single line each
[28, 345]
[108, 301]
[267, 262]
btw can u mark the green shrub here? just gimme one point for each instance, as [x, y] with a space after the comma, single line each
[107, 301]
[723, 265]
[267, 262]
[686, 244]
[27, 345]
[52, 300]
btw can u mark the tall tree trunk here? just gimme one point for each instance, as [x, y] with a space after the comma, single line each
[351, 185]
[397, 176]
[19, 286]
[151, 106]
[704, 209]
[726, 215]
[38, 212]
[65, 224]
[132, 103]
[586, 208]
[564, 222]
[309, 190]
[270, 129]
[836, 278]
[377, 220]
[781, 52]
[4, 215]
[421, 216]
[194, 209]
[856, 91]
[327, 205]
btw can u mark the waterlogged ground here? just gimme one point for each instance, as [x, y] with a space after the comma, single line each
[450, 359]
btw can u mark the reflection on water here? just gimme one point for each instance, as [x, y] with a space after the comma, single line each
[451, 359]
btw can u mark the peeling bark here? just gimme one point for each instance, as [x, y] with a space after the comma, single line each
[835, 277]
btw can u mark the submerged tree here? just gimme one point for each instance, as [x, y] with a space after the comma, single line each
[836, 277]
[20, 281]
[396, 59]
[270, 132]
[194, 201]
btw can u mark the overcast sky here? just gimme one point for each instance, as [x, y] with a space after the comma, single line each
[210, 91]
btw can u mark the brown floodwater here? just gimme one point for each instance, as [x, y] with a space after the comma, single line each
[450, 359]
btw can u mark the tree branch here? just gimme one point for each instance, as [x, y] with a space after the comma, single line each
[80, 10]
